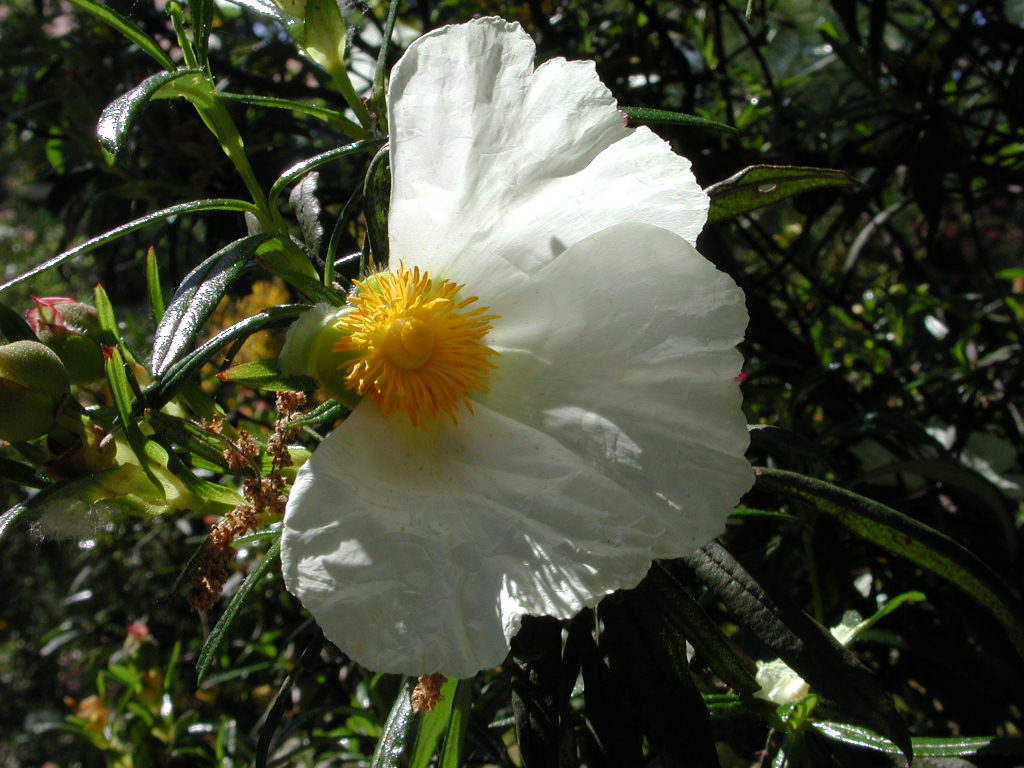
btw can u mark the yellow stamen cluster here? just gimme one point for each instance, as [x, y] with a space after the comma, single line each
[415, 346]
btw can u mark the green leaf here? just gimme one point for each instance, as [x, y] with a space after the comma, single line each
[458, 724]
[432, 727]
[306, 206]
[128, 29]
[266, 374]
[680, 619]
[646, 116]
[196, 298]
[328, 411]
[952, 746]
[201, 16]
[14, 327]
[193, 437]
[335, 118]
[907, 538]
[196, 206]
[376, 199]
[761, 185]
[800, 642]
[122, 391]
[399, 730]
[153, 289]
[117, 117]
[180, 372]
[299, 170]
[220, 631]
[20, 473]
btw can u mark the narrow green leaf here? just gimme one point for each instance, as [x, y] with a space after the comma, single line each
[298, 170]
[117, 117]
[399, 730]
[907, 538]
[195, 206]
[800, 642]
[761, 185]
[201, 16]
[156, 296]
[196, 298]
[204, 489]
[13, 326]
[953, 746]
[458, 724]
[191, 436]
[266, 374]
[335, 118]
[121, 394]
[220, 631]
[306, 206]
[432, 727]
[180, 372]
[646, 116]
[376, 199]
[128, 29]
[682, 619]
[21, 473]
[328, 411]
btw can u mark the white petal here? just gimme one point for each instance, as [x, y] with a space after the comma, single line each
[498, 167]
[418, 551]
[623, 349]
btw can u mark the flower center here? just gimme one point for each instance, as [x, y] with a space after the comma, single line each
[413, 345]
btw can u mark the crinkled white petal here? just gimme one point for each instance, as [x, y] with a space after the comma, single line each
[623, 349]
[418, 551]
[498, 167]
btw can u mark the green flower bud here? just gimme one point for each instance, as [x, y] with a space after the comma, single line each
[33, 383]
[70, 328]
[309, 350]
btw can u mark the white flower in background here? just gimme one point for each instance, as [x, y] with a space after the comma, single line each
[547, 372]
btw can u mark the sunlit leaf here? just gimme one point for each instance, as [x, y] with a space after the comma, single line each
[196, 298]
[761, 185]
[266, 374]
[117, 117]
[647, 116]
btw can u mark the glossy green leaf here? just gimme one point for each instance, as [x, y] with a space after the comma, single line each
[953, 746]
[178, 374]
[647, 116]
[300, 169]
[399, 731]
[305, 204]
[196, 206]
[799, 641]
[266, 374]
[196, 298]
[761, 185]
[907, 538]
[219, 634]
[128, 29]
[117, 117]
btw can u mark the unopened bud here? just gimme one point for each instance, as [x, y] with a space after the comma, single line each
[33, 383]
[309, 350]
[69, 328]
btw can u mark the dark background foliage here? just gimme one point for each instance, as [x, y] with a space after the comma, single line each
[877, 312]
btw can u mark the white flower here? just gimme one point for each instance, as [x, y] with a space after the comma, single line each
[549, 379]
